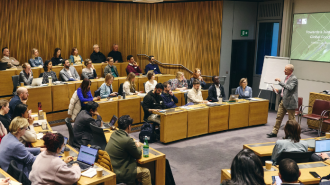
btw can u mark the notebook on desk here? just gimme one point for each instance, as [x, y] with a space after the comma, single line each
[86, 158]
[322, 146]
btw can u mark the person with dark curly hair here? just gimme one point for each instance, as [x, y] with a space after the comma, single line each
[48, 168]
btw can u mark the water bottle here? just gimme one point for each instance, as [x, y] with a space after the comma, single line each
[124, 95]
[50, 80]
[145, 147]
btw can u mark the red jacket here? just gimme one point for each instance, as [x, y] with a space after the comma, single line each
[131, 68]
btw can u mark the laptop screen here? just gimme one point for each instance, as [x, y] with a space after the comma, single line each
[87, 155]
[65, 142]
[113, 120]
[322, 145]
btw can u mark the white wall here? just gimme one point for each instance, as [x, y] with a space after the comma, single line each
[236, 16]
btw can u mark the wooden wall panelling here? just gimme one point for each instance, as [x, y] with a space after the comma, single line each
[187, 33]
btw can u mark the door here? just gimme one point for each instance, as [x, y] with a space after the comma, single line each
[242, 62]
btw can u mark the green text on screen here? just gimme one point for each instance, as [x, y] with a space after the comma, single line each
[311, 37]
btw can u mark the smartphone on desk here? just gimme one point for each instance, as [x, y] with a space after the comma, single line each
[315, 174]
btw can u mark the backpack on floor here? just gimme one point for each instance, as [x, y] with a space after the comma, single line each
[147, 129]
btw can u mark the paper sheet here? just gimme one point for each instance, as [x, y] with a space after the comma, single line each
[40, 122]
[273, 88]
[40, 135]
[89, 173]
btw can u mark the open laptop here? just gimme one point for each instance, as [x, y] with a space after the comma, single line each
[233, 97]
[86, 158]
[65, 142]
[322, 146]
[111, 123]
[36, 82]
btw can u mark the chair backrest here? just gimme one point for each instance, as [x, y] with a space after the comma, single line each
[3, 66]
[14, 171]
[17, 173]
[299, 157]
[121, 90]
[300, 102]
[98, 136]
[233, 90]
[207, 86]
[186, 97]
[41, 74]
[97, 92]
[104, 160]
[15, 82]
[145, 117]
[70, 129]
[144, 87]
[319, 106]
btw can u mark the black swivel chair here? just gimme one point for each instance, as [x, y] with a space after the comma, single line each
[17, 173]
[41, 74]
[207, 86]
[15, 79]
[299, 157]
[71, 135]
[185, 97]
[98, 137]
[144, 87]
[121, 89]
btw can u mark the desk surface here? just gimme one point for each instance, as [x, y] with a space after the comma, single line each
[38, 129]
[2, 172]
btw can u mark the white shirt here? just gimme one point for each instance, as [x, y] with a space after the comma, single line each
[150, 86]
[69, 72]
[195, 96]
[218, 91]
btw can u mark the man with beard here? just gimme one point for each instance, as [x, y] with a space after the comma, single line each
[21, 96]
[153, 101]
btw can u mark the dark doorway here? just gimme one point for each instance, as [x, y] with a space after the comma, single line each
[242, 62]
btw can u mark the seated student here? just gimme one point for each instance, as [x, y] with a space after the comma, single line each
[110, 68]
[48, 73]
[179, 83]
[69, 73]
[152, 66]
[291, 141]
[26, 75]
[129, 85]
[57, 58]
[97, 56]
[30, 136]
[247, 169]
[36, 61]
[153, 101]
[75, 57]
[12, 149]
[124, 152]
[4, 109]
[197, 76]
[21, 96]
[151, 83]
[243, 90]
[216, 90]
[289, 171]
[106, 87]
[84, 92]
[132, 67]
[115, 54]
[169, 99]
[89, 71]
[195, 94]
[81, 129]
[11, 61]
[56, 171]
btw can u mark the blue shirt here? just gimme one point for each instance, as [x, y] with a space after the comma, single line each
[246, 94]
[153, 67]
[12, 104]
[82, 98]
[12, 149]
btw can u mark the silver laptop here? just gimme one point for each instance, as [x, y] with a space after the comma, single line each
[233, 97]
[36, 82]
[322, 146]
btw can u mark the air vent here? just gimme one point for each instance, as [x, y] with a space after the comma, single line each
[270, 10]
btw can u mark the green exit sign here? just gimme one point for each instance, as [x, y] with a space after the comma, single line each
[244, 33]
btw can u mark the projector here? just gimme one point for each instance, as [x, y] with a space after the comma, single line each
[147, 1]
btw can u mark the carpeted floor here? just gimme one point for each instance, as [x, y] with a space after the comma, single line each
[199, 160]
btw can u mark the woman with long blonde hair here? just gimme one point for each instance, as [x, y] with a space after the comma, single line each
[129, 87]
[36, 61]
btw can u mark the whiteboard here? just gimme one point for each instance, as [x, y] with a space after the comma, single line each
[273, 68]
